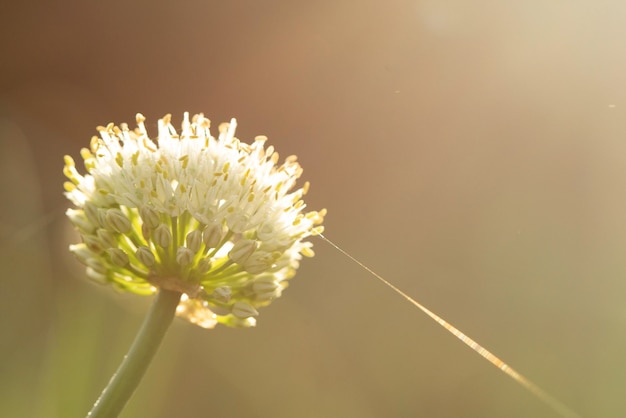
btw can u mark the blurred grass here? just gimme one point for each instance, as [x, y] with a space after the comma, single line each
[26, 274]
[65, 340]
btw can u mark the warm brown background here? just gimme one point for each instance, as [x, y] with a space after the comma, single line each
[474, 153]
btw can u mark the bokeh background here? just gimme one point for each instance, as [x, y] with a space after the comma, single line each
[473, 153]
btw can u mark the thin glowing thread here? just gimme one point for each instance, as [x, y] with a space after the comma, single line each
[548, 399]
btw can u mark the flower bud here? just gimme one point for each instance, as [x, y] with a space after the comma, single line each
[149, 216]
[238, 223]
[266, 288]
[117, 221]
[96, 276]
[80, 221]
[256, 266]
[91, 212]
[118, 257]
[93, 243]
[212, 235]
[96, 264]
[243, 310]
[203, 266]
[242, 250]
[162, 236]
[264, 285]
[145, 232]
[107, 238]
[82, 252]
[265, 232]
[194, 240]
[145, 256]
[223, 293]
[184, 256]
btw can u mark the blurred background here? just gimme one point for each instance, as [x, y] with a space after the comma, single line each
[473, 153]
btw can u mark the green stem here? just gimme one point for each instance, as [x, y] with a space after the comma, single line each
[136, 362]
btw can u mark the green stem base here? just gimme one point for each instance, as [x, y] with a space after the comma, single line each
[136, 362]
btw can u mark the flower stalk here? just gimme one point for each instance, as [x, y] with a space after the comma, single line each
[214, 226]
[127, 377]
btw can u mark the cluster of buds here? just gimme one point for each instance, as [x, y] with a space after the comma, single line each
[215, 219]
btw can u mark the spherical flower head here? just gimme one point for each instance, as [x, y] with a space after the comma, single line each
[213, 218]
